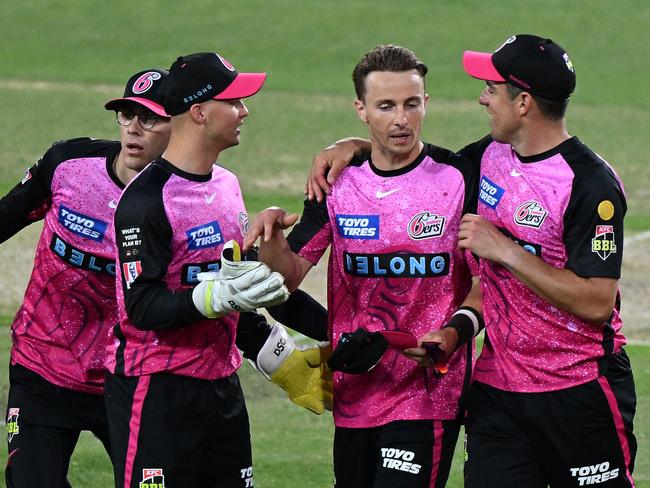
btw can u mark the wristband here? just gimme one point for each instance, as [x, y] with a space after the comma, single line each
[467, 322]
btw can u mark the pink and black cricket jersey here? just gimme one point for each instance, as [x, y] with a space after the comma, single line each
[394, 265]
[565, 206]
[171, 225]
[61, 330]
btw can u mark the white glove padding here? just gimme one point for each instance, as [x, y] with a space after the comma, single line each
[240, 286]
[302, 373]
[216, 297]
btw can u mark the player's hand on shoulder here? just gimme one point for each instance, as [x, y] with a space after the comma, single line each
[328, 164]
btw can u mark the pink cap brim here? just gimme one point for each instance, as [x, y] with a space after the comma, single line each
[153, 106]
[479, 65]
[399, 339]
[245, 85]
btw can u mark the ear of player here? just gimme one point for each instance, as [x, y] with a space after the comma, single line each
[301, 372]
[239, 286]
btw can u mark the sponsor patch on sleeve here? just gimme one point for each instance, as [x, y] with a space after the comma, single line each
[490, 193]
[606, 210]
[603, 244]
[131, 271]
[358, 226]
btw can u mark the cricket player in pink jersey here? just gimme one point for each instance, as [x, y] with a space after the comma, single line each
[60, 332]
[176, 411]
[391, 222]
[553, 398]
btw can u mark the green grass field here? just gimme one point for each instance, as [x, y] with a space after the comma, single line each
[62, 60]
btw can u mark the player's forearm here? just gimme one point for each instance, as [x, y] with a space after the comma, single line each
[590, 299]
[158, 308]
[277, 254]
[473, 298]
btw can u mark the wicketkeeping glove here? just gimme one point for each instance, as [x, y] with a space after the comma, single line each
[240, 286]
[301, 372]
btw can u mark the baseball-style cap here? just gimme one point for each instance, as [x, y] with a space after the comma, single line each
[143, 88]
[199, 77]
[534, 64]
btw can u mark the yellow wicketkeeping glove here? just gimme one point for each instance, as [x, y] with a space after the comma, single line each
[301, 372]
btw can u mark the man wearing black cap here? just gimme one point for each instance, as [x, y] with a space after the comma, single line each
[176, 410]
[553, 397]
[60, 332]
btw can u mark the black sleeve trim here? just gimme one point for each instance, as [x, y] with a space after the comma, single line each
[302, 313]
[314, 218]
[140, 217]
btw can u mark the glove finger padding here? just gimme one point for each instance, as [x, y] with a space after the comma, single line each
[302, 373]
[358, 352]
[269, 292]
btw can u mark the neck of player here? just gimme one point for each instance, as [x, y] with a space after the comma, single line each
[388, 160]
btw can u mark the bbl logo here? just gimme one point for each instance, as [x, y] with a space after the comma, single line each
[530, 214]
[603, 242]
[152, 478]
[12, 423]
[426, 225]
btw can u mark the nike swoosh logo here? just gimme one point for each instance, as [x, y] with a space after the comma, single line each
[514, 172]
[209, 199]
[382, 194]
[112, 204]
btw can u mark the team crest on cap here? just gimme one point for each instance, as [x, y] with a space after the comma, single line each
[145, 82]
[509, 40]
[568, 62]
[226, 63]
[152, 478]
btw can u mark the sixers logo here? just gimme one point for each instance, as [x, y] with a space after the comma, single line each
[426, 225]
[226, 63]
[145, 82]
[530, 214]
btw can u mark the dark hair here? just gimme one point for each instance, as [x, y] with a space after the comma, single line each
[385, 58]
[550, 109]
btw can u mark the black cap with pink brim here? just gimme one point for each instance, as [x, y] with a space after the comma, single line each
[143, 88]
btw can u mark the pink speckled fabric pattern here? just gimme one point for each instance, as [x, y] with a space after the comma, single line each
[532, 345]
[203, 349]
[61, 330]
[396, 389]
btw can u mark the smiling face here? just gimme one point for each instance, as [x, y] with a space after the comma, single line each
[394, 106]
[502, 108]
